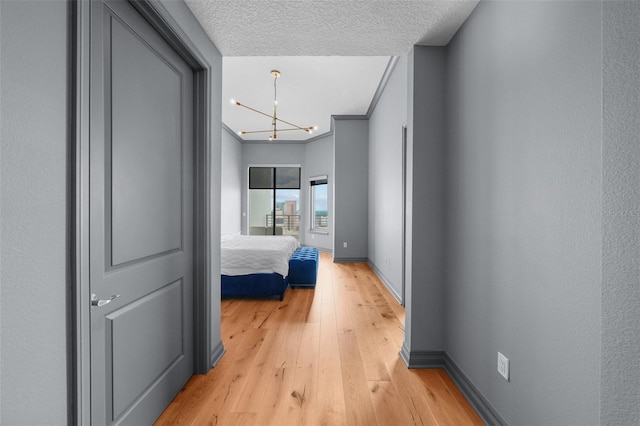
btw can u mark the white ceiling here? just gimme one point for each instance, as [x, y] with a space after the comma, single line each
[310, 90]
[331, 54]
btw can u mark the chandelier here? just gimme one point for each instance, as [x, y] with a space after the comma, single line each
[274, 117]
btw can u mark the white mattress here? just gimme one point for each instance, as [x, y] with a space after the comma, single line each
[256, 254]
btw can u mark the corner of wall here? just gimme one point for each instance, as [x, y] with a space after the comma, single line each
[620, 300]
[425, 198]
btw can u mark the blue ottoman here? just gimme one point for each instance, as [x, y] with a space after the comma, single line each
[303, 267]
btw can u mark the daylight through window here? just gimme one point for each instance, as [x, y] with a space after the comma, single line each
[274, 195]
[319, 209]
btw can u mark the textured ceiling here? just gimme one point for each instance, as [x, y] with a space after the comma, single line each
[332, 54]
[328, 28]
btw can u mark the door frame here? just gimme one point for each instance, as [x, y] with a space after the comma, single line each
[403, 296]
[79, 318]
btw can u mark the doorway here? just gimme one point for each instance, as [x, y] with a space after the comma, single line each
[142, 218]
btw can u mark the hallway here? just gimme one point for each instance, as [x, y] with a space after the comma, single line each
[327, 356]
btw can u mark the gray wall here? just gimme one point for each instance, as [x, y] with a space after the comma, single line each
[424, 204]
[33, 212]
[620, 369]
[34, 248]
[523, 169]
[350, 191]
[270, 154]
[193, 30]
[385, 179]
[318, 162]
[231, 213]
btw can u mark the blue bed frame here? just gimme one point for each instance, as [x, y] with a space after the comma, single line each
[254, 285]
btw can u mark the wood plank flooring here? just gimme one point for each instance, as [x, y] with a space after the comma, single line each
[323, 356]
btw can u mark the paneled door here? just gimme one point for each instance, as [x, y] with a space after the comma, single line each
[140, 218]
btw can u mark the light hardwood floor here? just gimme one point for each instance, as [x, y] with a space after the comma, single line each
[327, 356]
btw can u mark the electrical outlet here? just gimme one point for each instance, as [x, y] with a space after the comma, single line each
[503, 366]
[344, 244]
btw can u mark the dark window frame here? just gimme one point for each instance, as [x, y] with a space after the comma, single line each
[255, 184]
[316, 181]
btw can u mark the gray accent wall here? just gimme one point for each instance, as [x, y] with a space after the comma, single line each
[620, 332]
[385, 179]
[318, 162]
[350, 191]
[231, 206]
[524, 210]
[34, 135]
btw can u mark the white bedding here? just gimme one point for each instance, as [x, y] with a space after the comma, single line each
[256, 254]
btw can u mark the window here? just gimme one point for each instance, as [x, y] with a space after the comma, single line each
[319, 207]
[274, 194]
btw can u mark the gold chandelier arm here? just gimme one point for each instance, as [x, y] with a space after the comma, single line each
[253, 109]
[242, 132]
[296, 129]
[306, 129]
[274, 118]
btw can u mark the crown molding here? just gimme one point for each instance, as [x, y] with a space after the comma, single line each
[386, 75]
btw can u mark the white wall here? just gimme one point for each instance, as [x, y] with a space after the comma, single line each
[231, 167]
[385, 179]
[319, 162]
[33, 212]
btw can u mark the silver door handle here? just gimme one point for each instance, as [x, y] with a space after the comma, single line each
[101, 302]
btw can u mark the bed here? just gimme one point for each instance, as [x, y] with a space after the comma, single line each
[256, 265]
